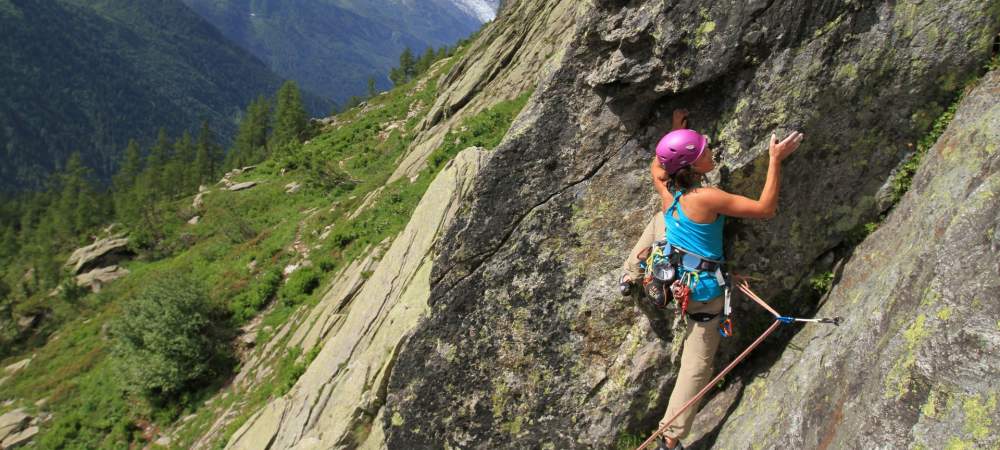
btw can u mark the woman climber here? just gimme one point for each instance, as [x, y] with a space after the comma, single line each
[691, 221]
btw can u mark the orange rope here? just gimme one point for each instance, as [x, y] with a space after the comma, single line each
[708, 386]
[745, 288]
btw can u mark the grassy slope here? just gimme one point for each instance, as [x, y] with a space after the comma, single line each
[92, 410]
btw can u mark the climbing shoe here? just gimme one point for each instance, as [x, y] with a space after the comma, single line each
[625, 285]
[661, 444]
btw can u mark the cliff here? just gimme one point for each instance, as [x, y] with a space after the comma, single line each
[915, 365]
[545, 354]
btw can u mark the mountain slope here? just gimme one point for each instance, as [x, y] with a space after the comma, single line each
[87, 76]
[332, 47]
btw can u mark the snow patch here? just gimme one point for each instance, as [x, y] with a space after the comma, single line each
[484, 10]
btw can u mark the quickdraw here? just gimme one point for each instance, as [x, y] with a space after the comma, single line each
[681, 289]
[726, 327]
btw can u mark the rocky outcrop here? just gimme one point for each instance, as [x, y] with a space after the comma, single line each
[15, 431]
[103, 252]
[199, 201]
[15, 367]
[242, 186]
[509, 58]
[360, 324]
[97, 278]
[527, 344]
[915, 365]
[12, 422]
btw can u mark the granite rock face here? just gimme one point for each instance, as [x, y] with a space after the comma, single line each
[541, 350]
[916, 364]
[360, 324]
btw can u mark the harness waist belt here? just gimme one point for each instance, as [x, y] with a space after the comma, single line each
[677, 255]
[702, 317]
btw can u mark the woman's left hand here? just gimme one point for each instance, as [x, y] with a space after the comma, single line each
[680, 120]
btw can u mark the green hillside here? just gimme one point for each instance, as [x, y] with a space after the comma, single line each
[332, 47]
[88, 75]
[110, 369]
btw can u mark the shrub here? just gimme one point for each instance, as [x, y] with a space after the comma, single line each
[300, 285]
[253, 299]
[165, 339]
[822, 282]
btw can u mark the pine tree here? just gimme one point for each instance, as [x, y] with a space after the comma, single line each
[372, 92]
[130, 168]
[290, 118]
[397, 76]
[407, 64]
[124, 183]
[206, 155]
[180, 174]
[77, 209]
[425, 62]
[251, 139]
[156, 163]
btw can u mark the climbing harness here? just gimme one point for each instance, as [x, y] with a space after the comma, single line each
[661, 283]
[778, 320]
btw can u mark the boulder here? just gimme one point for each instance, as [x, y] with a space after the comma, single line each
[13, 422]
[194, 220]
[97, 278]
[17, 366]
[293, 187]
[104, 252]
[19, 439]
[199, 201]
[28, 321]
[242, 186]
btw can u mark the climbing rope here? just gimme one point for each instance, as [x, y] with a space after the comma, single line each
[778, 320]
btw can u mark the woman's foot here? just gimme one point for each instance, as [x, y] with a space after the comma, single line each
[625, 285]
[668, 443]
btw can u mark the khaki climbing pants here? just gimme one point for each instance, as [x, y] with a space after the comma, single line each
[698, 354]
[697, 364]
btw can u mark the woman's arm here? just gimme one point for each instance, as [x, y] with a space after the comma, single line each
[660, 183]
[766, 206]
[678, 121]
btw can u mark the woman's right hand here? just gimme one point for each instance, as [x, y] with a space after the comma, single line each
[780, 150]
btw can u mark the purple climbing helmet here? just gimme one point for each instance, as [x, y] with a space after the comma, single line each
[680, 148]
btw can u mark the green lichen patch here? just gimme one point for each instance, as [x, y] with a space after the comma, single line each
[701, 34]
[898, 380]
[978, 415]
[931, 405]
[958, 444]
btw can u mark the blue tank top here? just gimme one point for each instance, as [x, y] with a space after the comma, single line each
[703, 239]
